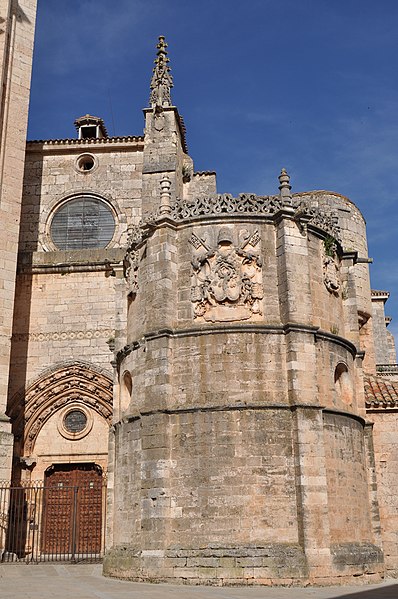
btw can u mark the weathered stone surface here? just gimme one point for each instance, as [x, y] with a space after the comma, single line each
[222, 338]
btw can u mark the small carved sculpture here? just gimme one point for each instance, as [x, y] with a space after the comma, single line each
[131, 263]
[331, 271]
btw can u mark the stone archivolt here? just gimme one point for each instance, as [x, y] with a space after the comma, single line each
[76, 382]
[227, 276]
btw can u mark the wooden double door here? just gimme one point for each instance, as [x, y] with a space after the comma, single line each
[72, 511]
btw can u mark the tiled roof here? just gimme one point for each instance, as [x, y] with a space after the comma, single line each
[380, 394]
[88, 141]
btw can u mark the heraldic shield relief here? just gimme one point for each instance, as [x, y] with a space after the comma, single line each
[227, 275]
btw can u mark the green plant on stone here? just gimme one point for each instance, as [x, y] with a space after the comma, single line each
[330, 245]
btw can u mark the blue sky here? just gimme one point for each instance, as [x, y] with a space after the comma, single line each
[310, 85]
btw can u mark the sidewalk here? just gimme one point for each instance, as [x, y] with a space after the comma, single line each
[45, 581]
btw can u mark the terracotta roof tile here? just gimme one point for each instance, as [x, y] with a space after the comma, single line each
[88, 141]
[380, 393]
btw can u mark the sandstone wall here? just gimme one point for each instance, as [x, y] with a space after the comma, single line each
[16, 49]
[353, 235]
[386, 464]
[240, 476]
[67, 305]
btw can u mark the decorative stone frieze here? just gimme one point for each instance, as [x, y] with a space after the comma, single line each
[64, 335]
[249, 205]
[226, 204]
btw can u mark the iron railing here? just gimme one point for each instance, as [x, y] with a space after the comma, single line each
[41, 523]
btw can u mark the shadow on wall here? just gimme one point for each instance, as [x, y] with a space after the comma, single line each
[22, 307]
[384, 592]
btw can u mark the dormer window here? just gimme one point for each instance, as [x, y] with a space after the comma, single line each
[88, 132]
[90, 127]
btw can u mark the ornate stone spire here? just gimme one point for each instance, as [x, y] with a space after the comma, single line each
[161, 81]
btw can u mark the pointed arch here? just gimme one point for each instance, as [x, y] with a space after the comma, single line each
[70, 382]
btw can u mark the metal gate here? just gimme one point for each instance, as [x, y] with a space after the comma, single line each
[52, 522]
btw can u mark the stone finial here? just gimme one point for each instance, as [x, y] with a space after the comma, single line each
[161, 81]
[285, 187]
[165, 195]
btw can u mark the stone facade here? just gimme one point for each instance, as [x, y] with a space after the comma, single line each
[16, 47]
[219, 357]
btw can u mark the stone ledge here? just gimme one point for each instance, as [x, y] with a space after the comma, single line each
[282, 564]
[364, 558]
[70, 260]
[264, 329]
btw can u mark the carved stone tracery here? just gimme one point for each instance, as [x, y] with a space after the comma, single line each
[227, 276]
[246, 203]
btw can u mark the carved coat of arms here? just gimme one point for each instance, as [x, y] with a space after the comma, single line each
[227, 276]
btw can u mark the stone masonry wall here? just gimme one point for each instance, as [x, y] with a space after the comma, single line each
[386, 463]
[16, 49]
[52, 175]
[353, 234]
[59, 318]
[231, 446]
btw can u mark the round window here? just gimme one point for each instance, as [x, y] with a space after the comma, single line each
[85, 163]
[75, 421]
[82, 223]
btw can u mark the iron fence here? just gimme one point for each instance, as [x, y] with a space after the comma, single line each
[40, 523]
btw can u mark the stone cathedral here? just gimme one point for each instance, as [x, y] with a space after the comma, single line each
[222, 359]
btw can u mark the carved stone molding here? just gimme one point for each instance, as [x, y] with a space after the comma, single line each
[64, 335]
[73, 383]
[226, 275]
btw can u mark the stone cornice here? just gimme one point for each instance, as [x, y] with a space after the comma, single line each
[71, 261]
[236, 408]
[263, 329]
[128, 142]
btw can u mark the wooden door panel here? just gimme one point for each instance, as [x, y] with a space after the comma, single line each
[72, 510]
